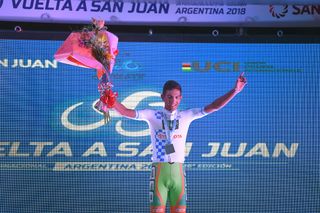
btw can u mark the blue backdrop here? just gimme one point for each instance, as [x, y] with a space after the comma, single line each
[258, 154]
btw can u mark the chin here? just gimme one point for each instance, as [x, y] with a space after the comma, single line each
[173, 108]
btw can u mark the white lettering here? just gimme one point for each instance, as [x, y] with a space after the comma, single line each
[132, 149]
[3, 148]
[39, 147]
[280, 147]
[37, 63]
[22, 63]
[96, 149]
[14, 150]
[226, 147]
[146, 151]
[125, 147]
[62, 148]
[51, 64]
[188, 149]
[4, 62]
[259, 149]
[214, 150]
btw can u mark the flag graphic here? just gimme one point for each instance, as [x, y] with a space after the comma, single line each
[186, 67]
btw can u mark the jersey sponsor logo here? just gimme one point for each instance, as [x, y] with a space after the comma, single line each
[161, 135]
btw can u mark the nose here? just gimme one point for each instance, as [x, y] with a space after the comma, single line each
[175, 101]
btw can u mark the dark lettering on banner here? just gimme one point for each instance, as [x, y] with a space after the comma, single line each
[236, 11]
[199, 10]
[39, 5]
[211, 10]
[67, 5]
[116, 6]
[306, 9]
[82, 6]
[58, 4]
[106, 7]
[15, 4]
[28, 6]
[146, 7]
[201, 2]
[47, 6]
[96, 5]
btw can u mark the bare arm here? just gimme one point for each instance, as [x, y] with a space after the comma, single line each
[226, 98]
[124, 111]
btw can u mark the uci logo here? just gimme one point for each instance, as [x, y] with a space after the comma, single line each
[1, 2]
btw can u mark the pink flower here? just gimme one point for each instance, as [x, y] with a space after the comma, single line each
[98, 23]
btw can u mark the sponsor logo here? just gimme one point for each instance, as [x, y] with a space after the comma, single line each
[161, 136]
[278, 11]
[234, 66]
[206, 66]
[306, 9]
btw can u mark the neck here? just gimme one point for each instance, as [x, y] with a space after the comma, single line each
[170, 110]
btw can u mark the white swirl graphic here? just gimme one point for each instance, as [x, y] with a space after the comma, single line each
[67, 124]
[131, 102]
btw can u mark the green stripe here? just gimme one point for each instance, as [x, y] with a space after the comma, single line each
[186, 69]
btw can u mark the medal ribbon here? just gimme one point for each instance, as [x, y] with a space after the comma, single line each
[169, 133]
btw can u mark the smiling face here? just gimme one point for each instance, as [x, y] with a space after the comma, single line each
[171, 99]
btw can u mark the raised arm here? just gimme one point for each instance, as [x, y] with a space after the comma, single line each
[110, 99]
[124, 111]
[226, 98]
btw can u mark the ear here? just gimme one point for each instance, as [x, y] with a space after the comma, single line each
[162, 97]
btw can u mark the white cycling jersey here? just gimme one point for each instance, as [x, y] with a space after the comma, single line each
[160, 132]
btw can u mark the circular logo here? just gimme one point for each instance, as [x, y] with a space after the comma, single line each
[1, 2]
[278, 11]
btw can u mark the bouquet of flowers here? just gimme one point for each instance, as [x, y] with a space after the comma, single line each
[93, 47]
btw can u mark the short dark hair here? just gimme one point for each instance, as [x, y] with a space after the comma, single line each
[170, 85]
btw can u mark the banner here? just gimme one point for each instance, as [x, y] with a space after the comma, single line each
[57, 155]
[198, 13]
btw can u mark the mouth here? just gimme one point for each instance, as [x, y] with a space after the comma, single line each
[170, 107]
[173, 106]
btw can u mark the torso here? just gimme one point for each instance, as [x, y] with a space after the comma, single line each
[159, 135]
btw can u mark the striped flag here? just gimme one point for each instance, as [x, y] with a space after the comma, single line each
[186, 67]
